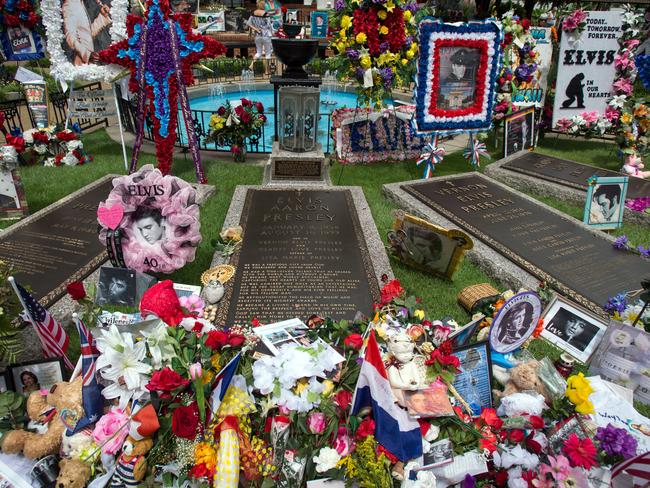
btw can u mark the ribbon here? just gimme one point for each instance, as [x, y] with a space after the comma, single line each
[142, 101]
[474, 150]
[433, 155]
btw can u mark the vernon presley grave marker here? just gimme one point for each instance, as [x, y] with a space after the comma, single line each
[303, 253]
[559, 250]
[59, 244]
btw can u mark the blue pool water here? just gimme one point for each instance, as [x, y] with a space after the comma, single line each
[209, 104]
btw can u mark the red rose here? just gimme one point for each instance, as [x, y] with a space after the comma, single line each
[221, 111]
[185, 421]
[32, 19]
[501, 478]
[255, 322]
[23, 5]
[17, 142]
[260, 107]
[200, 471]
[246, 102]
[12, 20]
[263, 118]
[57, 159]
[166, 380]
[216, 339]
[245, 117]
[525, 24]
[41, 137]
[66, 136]
[343, 399]
[391, 290]
[239, 110]
[76, 290]
[354, 341]
[283, 9]
[536, 422]
[236, 340]
[517, 436]
[366, 428]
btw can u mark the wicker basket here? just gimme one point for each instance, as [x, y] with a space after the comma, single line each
[472, 297]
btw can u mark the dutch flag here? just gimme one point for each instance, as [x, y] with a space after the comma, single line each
[395, 430]
[222, 382]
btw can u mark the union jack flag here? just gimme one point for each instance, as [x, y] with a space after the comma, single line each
[91, 392]
[52, 336]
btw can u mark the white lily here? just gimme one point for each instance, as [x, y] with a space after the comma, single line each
[161, 345]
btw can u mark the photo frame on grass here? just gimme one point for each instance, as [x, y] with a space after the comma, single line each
[31, 376]
[519, 131]
[426, 246]
[474, 382]
[605, 201]
[456, 76]
[572, 328]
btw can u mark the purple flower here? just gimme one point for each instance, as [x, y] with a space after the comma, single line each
[638, 204]
[359, 72]
[616, 442]
[352, 53]
[468, 482]
[409, 41]
[645, 252]
[413, 7]
[339, 4]
[620, 243]
[616, 304]
[384, 46]
[387, 75]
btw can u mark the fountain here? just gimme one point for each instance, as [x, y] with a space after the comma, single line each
[216, 90]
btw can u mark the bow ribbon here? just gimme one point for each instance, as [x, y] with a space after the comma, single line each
[433, 155]
[475, 150]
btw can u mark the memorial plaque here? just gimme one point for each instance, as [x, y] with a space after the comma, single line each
[292, 169]
[570, 173]
[303, 253]
[57, 245]
[559, 250]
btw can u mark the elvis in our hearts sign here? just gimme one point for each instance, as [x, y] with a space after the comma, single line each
[586, 66]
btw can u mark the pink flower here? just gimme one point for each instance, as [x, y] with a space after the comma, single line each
[576, 478]
[563, 125]
[612, 114]
[316, 422]
[111, 424]
[632, 43]
[558, 468]
[193, 303]
[622, 85]
[343, 443]
[623, 62]
[580, 16]
[569, 24]
[196, 371]
[590, 117]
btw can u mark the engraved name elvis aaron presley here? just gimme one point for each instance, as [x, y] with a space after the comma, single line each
[474, 194]
[299, 210]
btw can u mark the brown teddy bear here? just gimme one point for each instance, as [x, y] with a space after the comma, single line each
[131, 466]
[73, 473]
[523, 377]
[47, 409]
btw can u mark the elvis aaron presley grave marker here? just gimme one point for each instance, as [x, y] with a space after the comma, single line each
[303, 252]
[59, 244]
[557, 249]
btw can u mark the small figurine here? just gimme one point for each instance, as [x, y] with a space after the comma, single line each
[409, 372]
[214, 291]
[634, 167]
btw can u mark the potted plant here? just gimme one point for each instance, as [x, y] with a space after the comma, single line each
[233, 124]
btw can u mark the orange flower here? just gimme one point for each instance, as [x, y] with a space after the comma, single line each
[539, 328]
[641, 111]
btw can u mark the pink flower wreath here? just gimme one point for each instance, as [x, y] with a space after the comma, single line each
[172, 202]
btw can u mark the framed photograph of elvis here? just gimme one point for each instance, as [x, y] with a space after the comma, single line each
[515, 322]
[474, 382]
[319, 25]
[426, 246]
[456, 77]
[572, 328]
[519, 131]
[21, 44]
[605, 202]
[116, 286]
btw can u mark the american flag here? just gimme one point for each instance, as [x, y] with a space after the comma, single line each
[93, 402]
[633, 472]
[53, 337]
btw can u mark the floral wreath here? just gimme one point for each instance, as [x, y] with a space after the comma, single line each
[15, 13]
[62, 68]
[173, 200]
[434, 35]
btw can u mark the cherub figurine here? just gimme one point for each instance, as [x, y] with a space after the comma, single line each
[634, 167]
[407, 371]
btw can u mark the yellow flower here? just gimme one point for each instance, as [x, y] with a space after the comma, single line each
[585, 408]
[383, 30]
[365, 62]
[419, 313]
[205, 453]
[207, 377]
[626, 118]
[641, 111]
[405, 62]
[346, 21]
[302, 385]
[390, 6]
[578, 391]
[410, 54]
[382, 14]
[407, 15]
[361, 37]
[214, 360]
[329, 387]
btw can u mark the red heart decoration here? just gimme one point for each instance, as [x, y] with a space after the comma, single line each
[111, 216]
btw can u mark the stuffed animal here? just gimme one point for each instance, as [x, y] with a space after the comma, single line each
[73, 473]
[63, 399]
[131, 466]
[523, 377]
[634, 167]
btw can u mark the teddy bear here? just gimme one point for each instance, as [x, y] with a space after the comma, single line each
[63, 398]
[523, 377]
[634, 167]
[73, 473]
[131, 466]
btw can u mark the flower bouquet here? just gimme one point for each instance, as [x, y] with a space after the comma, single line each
[375, 46]
[233, 124]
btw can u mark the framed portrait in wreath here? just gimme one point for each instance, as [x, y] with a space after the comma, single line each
[456, 76]
[38, 375]
[605, 202]
[572, 328]
[21, 44]
[426, 246]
